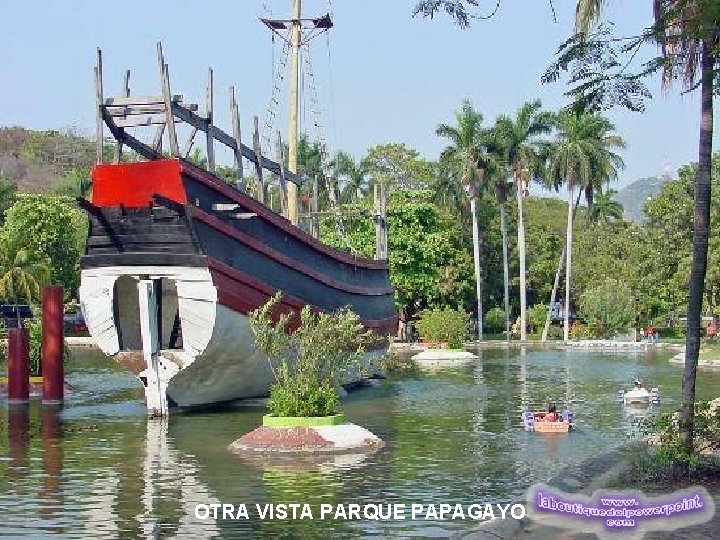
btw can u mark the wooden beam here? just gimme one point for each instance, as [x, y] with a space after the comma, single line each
[170, 120]
[99, 112]
[210, 140]
[157, 139]
[235, 115]
[189, 144]
[126, 93]
[142, 120]
[281, 176]
[130, 141]
[132, 110]
[127, 100]
[257, 155]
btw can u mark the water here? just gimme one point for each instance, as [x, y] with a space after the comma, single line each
[101, 468]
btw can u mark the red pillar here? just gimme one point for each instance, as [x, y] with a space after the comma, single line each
[52, 344]
[18, 365]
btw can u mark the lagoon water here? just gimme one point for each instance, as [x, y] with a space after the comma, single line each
[100, 468]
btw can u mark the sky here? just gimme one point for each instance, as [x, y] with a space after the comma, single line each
[382, 76]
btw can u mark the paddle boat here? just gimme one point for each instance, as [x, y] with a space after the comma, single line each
[639, 396]
[536, 421]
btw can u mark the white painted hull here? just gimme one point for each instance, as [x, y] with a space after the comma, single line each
[219, 360]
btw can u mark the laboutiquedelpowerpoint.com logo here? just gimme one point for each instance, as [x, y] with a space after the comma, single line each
[619, 514]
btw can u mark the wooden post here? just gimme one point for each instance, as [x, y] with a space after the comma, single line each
[235, 114]
[281, 177]
[18, 365]
[99, 107]
[167, 96]
[18, 431]
[380, 221]
[295, 39]
[209, 140]
[258, 162]
[125, 93]
[316, 208]
[157, 139]
[52, 344]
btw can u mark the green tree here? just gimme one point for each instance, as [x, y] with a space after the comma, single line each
[21, 277]
[8, 192]
[429, 264]
[606, 208]
[398, 165]
[44, 228]
[608, 308]
[520, 139]
[355, 175]
[583, 148]
[466, 139]
[687, 33]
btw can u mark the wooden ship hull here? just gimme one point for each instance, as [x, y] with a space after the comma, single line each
[177, 258]
[176, 261]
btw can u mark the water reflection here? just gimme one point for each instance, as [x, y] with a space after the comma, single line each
[100, 468]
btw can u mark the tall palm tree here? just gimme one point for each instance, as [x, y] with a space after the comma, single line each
[464, 148]
[521, 140]
[688, 33]
[583, 149]
[606, 208]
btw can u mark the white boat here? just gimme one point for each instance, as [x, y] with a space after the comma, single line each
[639, 396]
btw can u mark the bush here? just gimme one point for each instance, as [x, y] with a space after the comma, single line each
[444, 325]
[536, 316]
[579, 330]
[309, 363]
[495, 320]
[671, 458]
[608, 308]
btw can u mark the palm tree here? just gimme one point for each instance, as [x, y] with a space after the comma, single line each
[687, 32]
[355, 174]
[520, 138]
[606, 208]
[21, 278]
[583, 150]
[464, 149]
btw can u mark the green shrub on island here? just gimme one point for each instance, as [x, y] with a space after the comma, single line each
[495, 320]
[444, 325]
[310, 362]
[608, 308]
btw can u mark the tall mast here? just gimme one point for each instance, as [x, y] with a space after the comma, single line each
[296, 32]
[295, 40]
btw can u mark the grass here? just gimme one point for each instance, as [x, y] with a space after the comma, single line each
[710, 351]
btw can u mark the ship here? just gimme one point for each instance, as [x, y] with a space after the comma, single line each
[177, 257]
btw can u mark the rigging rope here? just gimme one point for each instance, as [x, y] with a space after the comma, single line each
[324, 156]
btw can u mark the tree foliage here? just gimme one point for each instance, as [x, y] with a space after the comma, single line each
[45, 229]
[310, 362]
[608, 308]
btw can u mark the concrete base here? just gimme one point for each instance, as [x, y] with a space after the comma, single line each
[680, 359]
[436, 358]
[339, 439]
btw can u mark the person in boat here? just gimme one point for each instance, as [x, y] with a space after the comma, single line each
[552, 415]
[639, 385]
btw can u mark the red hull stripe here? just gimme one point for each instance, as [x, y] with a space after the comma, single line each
[251, 205]
[243, 293]
[283, 259]
[133, 185]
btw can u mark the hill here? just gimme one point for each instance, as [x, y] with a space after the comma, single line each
[633, 197]
[44, 161]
